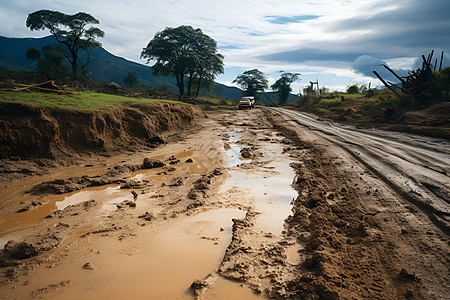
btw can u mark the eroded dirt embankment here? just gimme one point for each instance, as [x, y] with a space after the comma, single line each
[28, 131]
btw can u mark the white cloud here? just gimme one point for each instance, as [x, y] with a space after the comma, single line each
[327, 43]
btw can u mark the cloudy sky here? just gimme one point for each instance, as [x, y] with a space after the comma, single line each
[337, 42]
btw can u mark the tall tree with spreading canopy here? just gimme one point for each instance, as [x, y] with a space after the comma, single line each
[252, 82]
[131, 79]
[184, 52]
[52, 64]
[70, 31]
[283, 85]
[33, 54]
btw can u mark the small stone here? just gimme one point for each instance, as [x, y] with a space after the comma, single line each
[88, 266]
[147, 216]
[199, 284]
[152, 163]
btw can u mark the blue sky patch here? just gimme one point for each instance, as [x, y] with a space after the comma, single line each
[294, 19]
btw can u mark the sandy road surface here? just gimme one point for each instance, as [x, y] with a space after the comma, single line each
[417, 168]
[403, 182]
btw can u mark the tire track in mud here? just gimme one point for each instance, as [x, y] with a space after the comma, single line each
[395, 172]
[360, 243]
[345, 254]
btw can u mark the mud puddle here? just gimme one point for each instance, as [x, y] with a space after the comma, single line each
[233, 149]
[161, 263]
[263, 185]
[269, 187]
[228, 289]
[12, 222]
[108, 195]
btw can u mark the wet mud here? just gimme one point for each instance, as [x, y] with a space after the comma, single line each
[243, 206]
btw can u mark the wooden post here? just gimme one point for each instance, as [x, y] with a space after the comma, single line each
[385, 83]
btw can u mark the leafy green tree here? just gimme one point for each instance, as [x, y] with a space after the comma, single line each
[210, 65]
[353, 89]
[283, 85]
[52, 65]
[33, 54]
[205, 63]
[184, 52]
[70, 31]
[252, 82]
[130, 79]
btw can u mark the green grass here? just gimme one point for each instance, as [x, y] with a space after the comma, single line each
[79, 100]
[328, 103]
[217, 101]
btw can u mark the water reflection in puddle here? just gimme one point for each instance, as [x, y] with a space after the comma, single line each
[272, 194]
[271, 189]
[233, 154]
[108, 195]
[86, 195]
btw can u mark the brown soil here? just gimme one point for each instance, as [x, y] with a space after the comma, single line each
[349, 235]
[44, 132]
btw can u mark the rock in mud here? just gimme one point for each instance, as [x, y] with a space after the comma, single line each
[127, 202]
[88, 266]
[20, 250]
[194, 194]
[199, 284]
[29, 207]
[217, 171]
[202, 183]
[132, 184]
[189, 160]
[33, 247]
[246, 153]
[152, 163]
[147, 216]
[173, 160]
[195, 204]
[177, 181]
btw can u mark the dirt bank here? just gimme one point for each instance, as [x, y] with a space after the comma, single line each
[28, 131]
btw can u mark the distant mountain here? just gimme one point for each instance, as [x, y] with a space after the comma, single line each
[107, 67]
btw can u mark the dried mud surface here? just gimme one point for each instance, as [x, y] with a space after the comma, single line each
[348, 236]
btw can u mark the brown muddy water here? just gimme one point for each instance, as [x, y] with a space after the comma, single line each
[160, 265]
[165, 258]
[269, 186]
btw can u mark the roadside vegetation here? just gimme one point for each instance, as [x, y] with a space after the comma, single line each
[419, 103]
[78, 100]
[380, 108]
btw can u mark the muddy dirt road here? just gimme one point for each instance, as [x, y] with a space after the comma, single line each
[251, 204]
[417, 168]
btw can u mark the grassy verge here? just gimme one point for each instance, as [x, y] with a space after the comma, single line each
[79, 100]
[216, 103]
[382, 109]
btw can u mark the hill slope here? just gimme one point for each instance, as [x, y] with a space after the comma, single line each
[104, 65]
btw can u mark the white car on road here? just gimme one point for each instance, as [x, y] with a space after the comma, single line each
[247, 102]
